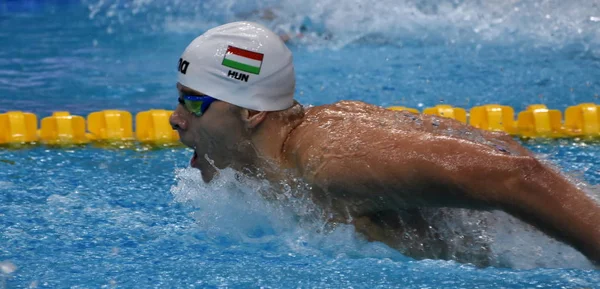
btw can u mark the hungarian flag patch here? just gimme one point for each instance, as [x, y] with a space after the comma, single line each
[244, 60]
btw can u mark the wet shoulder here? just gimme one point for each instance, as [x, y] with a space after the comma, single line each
[342, 128]
[355, 123]
[360, 115]
[343, 108]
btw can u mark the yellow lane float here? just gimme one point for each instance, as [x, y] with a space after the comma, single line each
[400, 108]
[582, 120]
[110, 125]
[63, 128]
[493, 117]
[539, 121]
[18, 127]
[154, 126]
[448, 111]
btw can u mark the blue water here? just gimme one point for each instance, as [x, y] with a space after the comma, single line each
[89, 217]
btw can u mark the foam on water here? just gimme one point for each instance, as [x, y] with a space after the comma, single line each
[549, 23]
[231, 208]
[87, 217]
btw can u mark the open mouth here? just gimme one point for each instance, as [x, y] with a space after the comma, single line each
[193, 160]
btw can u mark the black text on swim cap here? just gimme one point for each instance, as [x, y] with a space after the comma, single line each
[238, 75]
[183, 65]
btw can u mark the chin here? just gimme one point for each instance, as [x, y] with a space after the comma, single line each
[187, 143]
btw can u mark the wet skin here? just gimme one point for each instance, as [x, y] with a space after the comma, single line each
[369, 161]
[377, 169]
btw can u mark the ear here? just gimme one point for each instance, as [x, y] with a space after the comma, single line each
[253, 118]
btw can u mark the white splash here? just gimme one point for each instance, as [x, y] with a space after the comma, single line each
[7, 268]
[552, 23]
[512, 242]
[231, 206]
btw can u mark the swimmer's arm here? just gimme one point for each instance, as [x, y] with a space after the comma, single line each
[448, 172]
[537, 194]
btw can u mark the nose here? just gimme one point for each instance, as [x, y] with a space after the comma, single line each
[177, 120]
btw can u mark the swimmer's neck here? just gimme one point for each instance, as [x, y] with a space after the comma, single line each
[265, 153]
[269, 143]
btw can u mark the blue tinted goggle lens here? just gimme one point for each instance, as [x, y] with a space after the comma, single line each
[196, 104]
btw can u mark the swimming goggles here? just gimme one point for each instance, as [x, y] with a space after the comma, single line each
[196, 104]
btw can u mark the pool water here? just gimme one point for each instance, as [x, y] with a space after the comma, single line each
[89, 217]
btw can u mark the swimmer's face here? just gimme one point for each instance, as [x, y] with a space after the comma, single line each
[216, 134]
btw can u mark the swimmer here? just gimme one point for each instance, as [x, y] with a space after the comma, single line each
[364, 165]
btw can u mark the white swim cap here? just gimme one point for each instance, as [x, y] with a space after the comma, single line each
[242, 63]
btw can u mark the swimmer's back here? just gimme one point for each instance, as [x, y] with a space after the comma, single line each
[336, 121]
[363, 160]
[355, 149]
